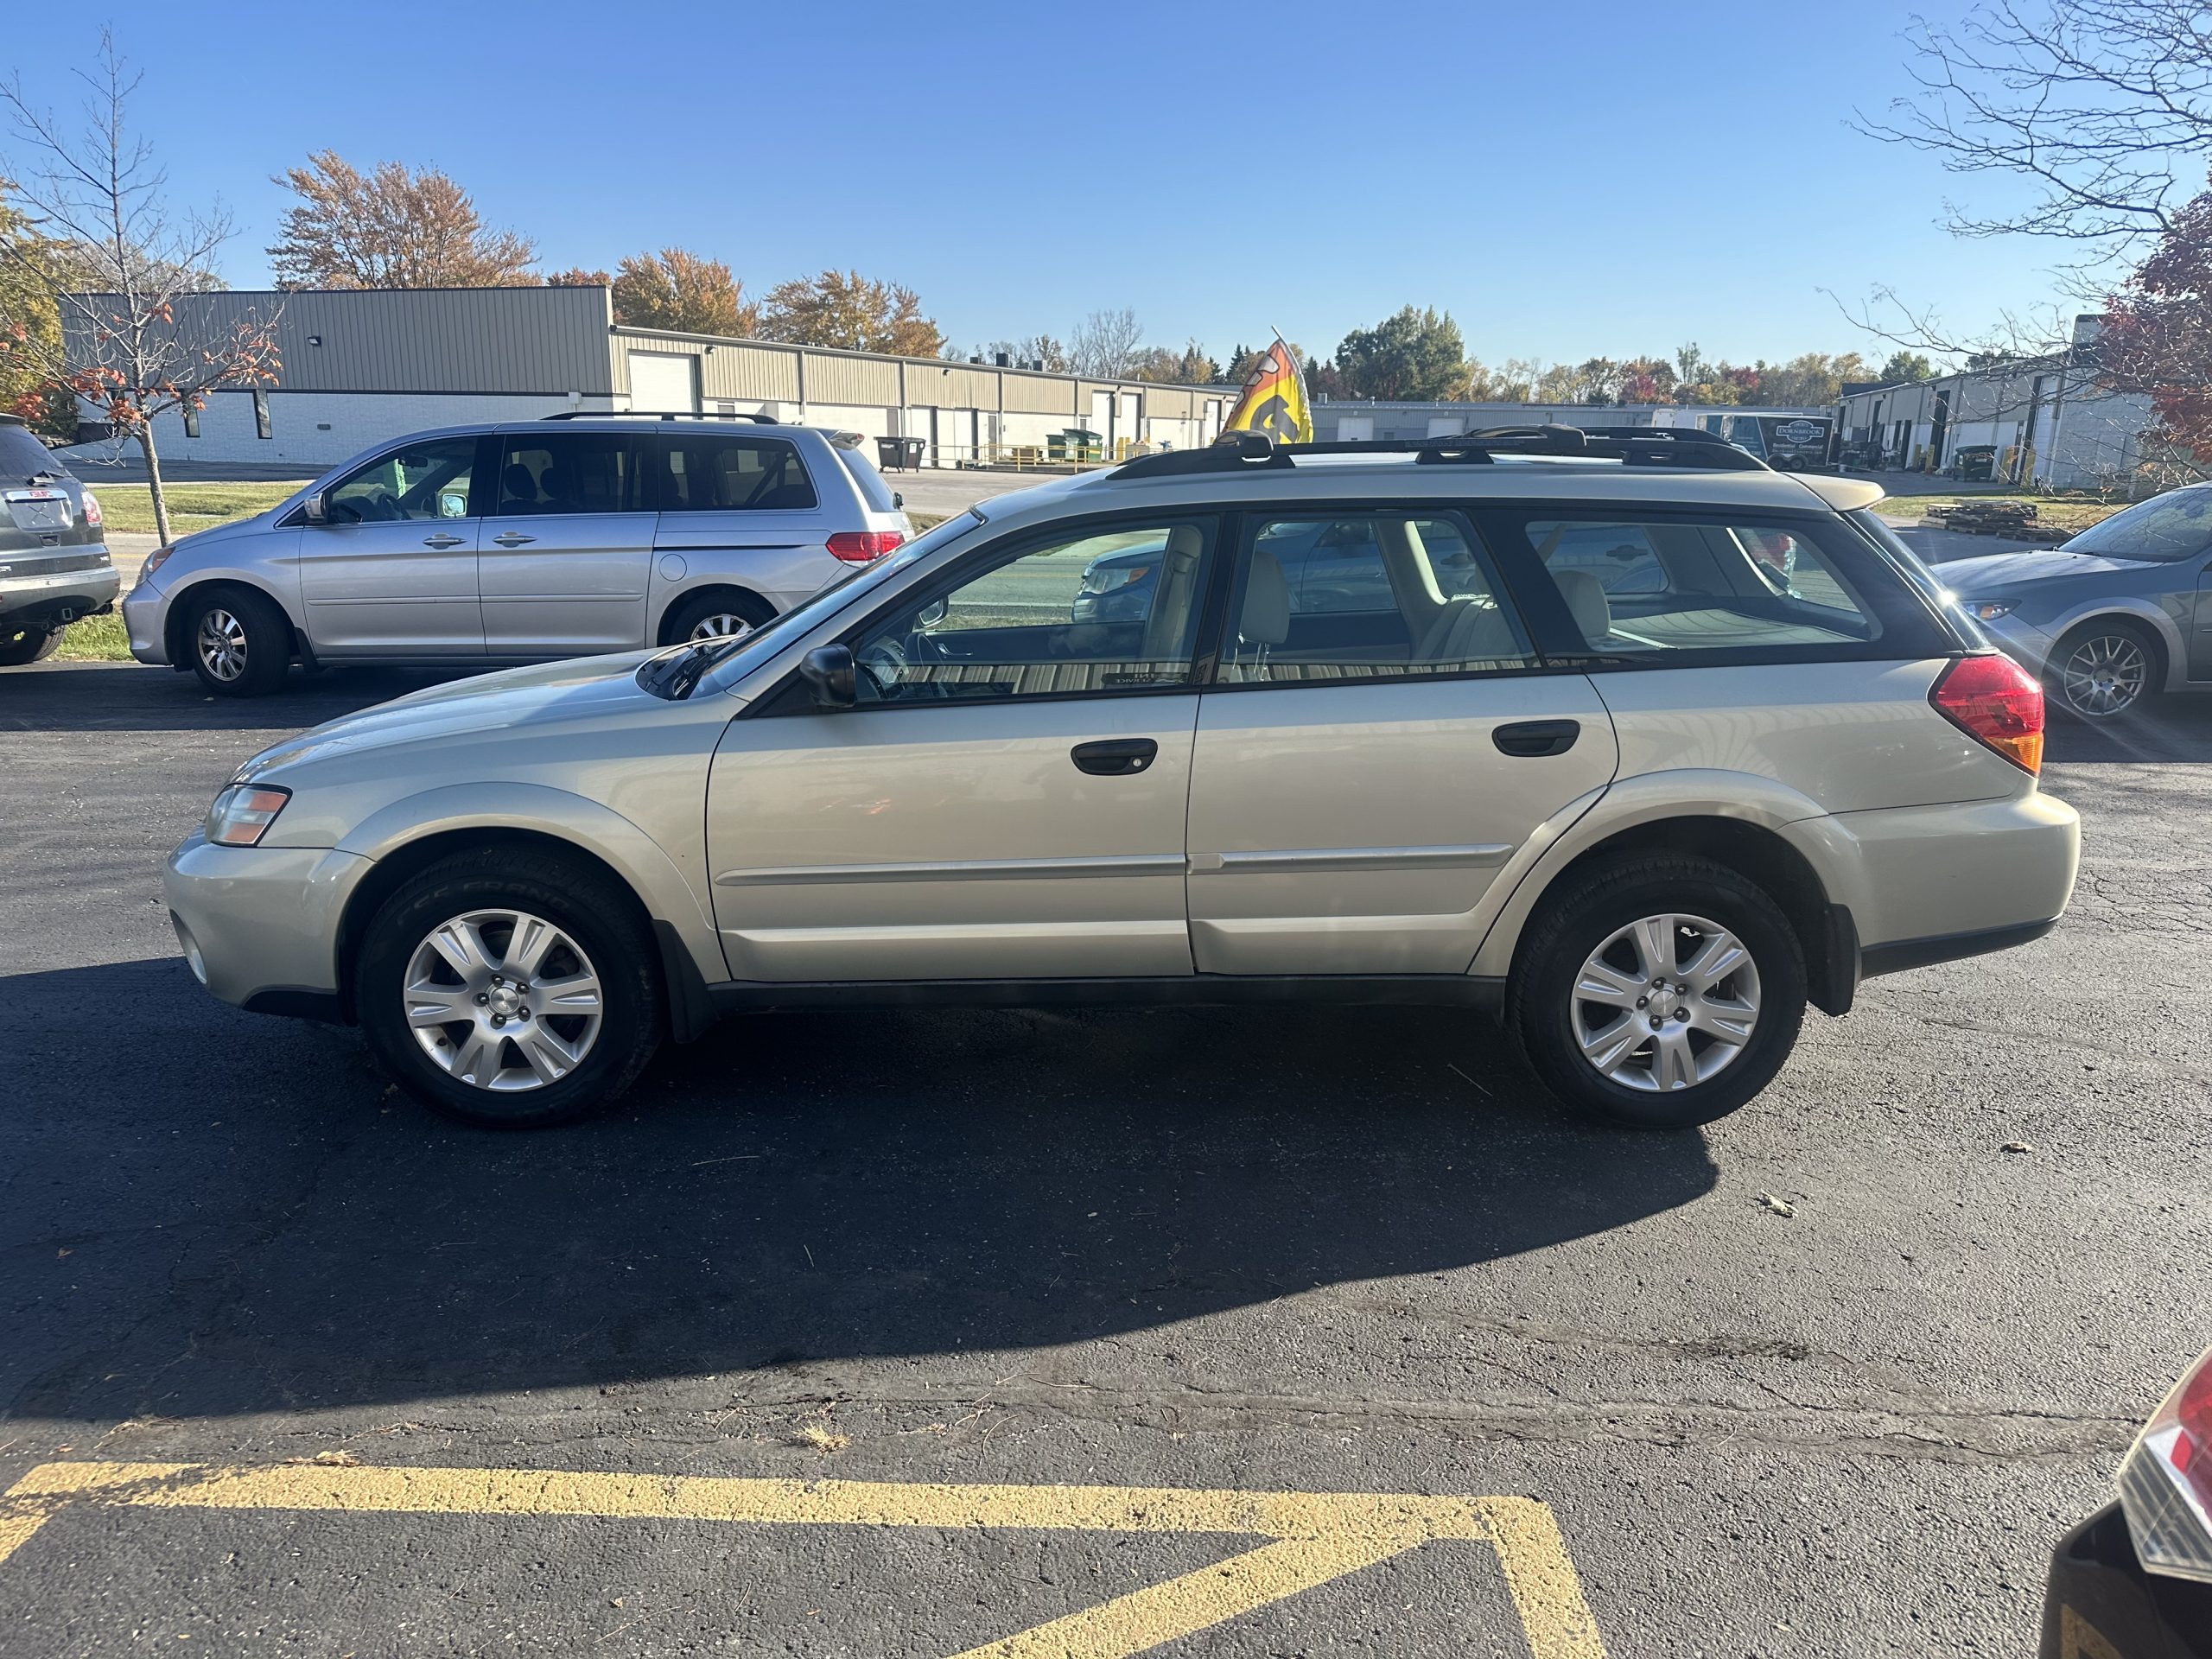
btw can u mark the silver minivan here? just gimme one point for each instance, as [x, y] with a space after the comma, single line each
[516, 543]
[1632, 743]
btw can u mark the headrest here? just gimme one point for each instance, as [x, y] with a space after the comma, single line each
[1266, 620]
[1586, 601]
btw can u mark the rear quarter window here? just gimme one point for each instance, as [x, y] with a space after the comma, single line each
[23, 456]
[873, 489]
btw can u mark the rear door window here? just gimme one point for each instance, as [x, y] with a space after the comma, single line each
[1668, 588]
[565, 473]
[711, 472]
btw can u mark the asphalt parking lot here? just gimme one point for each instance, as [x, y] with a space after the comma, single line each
[1197, 1331]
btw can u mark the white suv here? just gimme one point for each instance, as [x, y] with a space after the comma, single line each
[518, 542]
[1641, 757]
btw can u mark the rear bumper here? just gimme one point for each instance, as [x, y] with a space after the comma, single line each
[2100, 1602]
[259, 925]
[59, 597]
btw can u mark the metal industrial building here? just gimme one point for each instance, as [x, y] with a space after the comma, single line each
[2045, 416]
[1359, 420]
[363, 365]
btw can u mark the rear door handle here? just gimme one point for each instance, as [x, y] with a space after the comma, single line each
[1115, 757]
[1527, 739]
[442, 540]
[512, 539]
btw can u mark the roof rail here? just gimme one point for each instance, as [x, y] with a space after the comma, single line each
[1635, 446]
[659, 415]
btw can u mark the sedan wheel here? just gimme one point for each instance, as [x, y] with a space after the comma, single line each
[2104, 674]
[221, 645]
[1666, 1003]
[503, 1001]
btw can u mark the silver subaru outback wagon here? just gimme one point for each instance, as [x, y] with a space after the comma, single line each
[516, 543]
[1632, 743]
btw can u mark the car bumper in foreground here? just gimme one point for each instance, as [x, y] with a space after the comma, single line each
[259, 925]
[145, 614]
[2102, 1605]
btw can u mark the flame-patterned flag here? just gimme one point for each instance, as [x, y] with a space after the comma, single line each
[1274, 399]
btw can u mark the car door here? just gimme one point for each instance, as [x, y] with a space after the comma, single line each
[738, 509]
[391, 569]
[1356, 787]
[566, 552]
[1006, 800]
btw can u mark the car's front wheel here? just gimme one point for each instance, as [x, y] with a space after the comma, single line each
[240, 641]
[510, 988]
[2104, 668]
[1660, 991]
[19, 645]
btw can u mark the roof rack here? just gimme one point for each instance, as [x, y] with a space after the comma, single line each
[1635, 446]
[659, 415]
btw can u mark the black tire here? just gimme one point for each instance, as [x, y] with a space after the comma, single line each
[1574, 923]
[259, 636]
[688, 613]
[604, 923]
[2109, 646]
[20, 646]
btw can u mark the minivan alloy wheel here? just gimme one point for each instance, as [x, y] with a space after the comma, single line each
[503, 1000]
[720, 624]
[2104, 675]
[1666, 1003]
[221, 644]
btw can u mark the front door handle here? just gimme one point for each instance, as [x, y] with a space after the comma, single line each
[512, 539]
[1115, 757]
[442, 540]
[1527, 739]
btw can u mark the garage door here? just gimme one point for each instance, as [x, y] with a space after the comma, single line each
[662, 382]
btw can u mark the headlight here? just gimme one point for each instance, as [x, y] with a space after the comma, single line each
[1986, 610]
[155, 560]
[242, 813]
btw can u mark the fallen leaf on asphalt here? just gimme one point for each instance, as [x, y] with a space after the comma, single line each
[2019, 1145]
[1779, 1206]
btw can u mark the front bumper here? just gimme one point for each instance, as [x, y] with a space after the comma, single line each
[145, 619]
[59, 597]
[2102, 1605]
[259, 925]
[2028, 646]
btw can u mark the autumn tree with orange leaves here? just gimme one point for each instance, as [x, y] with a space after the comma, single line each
[2157, 338]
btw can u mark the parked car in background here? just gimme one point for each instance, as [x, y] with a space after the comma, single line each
[2134, 1580]
[2112, 617]
[519, 543]
[54, 566]
[1438, 764]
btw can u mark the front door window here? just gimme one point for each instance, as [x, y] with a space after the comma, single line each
[425, 480]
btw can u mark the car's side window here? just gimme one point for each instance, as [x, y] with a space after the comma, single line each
[1655, 587]
[1367, 595]
[567, 472]
[1098, 611]
[710, 473]
[419, 480]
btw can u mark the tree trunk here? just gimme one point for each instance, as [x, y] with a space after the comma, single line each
[154, 481]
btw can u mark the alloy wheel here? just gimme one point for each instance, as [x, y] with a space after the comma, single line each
[2104, 676]
[722, 624]
[1666, 1003]
[503, 1000]
[221, 644]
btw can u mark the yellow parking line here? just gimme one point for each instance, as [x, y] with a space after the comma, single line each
[1315, 1536]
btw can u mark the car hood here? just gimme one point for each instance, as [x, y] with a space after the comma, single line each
[541, 698]
[2002, 572]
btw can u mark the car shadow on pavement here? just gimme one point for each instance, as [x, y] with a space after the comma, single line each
[228, 1214]
[2170, 731]
[130, 697]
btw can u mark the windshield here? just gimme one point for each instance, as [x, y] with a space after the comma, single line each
[676, 673]
[2177, 526]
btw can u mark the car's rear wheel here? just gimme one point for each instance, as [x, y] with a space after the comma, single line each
[2104, 668]
[1660, 991]
[510, 988]
[716, 615]
[240, 642]
[21, 645]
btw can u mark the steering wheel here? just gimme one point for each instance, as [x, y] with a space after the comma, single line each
[886, 666]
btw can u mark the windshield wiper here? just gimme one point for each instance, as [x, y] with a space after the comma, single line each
[675, 677]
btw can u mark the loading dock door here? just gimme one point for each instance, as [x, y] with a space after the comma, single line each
[664, 382]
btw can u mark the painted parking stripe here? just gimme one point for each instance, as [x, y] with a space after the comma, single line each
[1313, 1537]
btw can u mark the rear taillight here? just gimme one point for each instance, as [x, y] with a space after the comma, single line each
[92, 508]
[858, 546]
[2166, 1484]
[1997, 702]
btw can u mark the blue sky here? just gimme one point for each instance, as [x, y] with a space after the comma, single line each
[1567, 180]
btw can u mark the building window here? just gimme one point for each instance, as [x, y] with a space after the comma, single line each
[191, 421]
[261, 413]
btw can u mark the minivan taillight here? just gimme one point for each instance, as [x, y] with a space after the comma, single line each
[1997, 702]
[2165, 1484]
[858, 546]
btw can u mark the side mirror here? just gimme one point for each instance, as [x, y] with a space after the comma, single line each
[827, 671]
[316, 514]
[930, 615]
